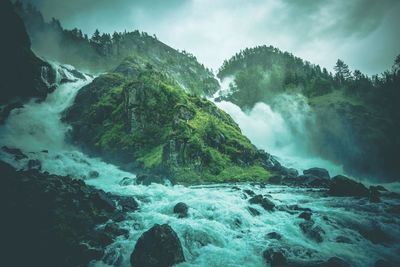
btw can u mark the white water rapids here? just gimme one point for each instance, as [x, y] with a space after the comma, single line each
[219, 230]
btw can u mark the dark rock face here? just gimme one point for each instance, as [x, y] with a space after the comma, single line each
[342, 186]
[312, 231]
[17, 153]
[50, 218]
[275, 257]
[253, 211]
[157, 247]
[181, 209]
[22, 74]
[263, 202]
[274, 235]
[146, 179]
[94, 174]
[34, 164]
[306, 215]
[317, 172]
[126, 204]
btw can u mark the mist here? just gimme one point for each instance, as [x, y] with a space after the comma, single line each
[282, 132]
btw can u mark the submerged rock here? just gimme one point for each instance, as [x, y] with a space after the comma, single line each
[94, 174]
[342, 186]
[157, 247]
[17, 153]
[274, 235]
[275, 257]
[306, 215]
[312, 231]
[127, 181]
[263, 202]
[253, 211]
[34, 164]
[181, 209]
[146, 179]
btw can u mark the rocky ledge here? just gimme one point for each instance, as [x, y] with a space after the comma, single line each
[56, 221]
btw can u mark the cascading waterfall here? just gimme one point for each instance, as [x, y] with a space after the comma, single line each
[219, 231]
[281, 129]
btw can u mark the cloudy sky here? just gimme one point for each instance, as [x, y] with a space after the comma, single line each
[364, 33]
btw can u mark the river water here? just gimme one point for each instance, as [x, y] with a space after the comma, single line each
[220, 231]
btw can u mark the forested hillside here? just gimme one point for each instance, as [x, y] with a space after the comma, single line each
[104, 51]
[357, 116]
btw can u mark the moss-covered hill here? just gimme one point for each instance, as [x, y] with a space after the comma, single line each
[103, 51]
[357, 117]
[139, 118]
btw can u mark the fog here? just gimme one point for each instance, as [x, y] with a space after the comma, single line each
[362, 32]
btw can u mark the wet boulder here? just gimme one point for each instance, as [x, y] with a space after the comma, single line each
[312, 231]
[306, 215]
[317, 172]
[374, 195]
[263, 202]
[34, 164]
[275, 257]
[274, 235]
[126, 181]
[114, 230]
[126, 203]
[253, 211]
[181, 209]
[146, 179]
[17, 153]
[342, 186]
[94, 174]
[157, 247]
[249, 192]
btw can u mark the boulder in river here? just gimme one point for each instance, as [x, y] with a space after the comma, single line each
[275, 257]
[342, 186]
[34, 164]
[157, 247]
[312, 231]
[317, 172]
[181, 209]
[274, 235]
[263, 202]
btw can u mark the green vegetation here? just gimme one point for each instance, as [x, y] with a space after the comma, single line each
[149, 122]
[104, 51]
[357, 117]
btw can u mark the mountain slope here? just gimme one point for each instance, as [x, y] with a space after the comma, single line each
[357, 118]
[22, 74]
[141, 119]
[104, 52]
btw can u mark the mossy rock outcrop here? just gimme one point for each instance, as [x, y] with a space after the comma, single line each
[142, 119]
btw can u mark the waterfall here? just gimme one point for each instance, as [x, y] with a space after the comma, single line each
[220, 230]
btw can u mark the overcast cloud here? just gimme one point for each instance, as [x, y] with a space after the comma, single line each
[364, 33]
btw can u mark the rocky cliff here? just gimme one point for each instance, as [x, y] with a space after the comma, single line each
[22, 74]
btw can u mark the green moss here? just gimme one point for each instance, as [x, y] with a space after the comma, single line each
[152, 158]
[230, 174]
[210, 143]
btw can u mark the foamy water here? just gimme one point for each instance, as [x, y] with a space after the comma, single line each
[219, 231]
